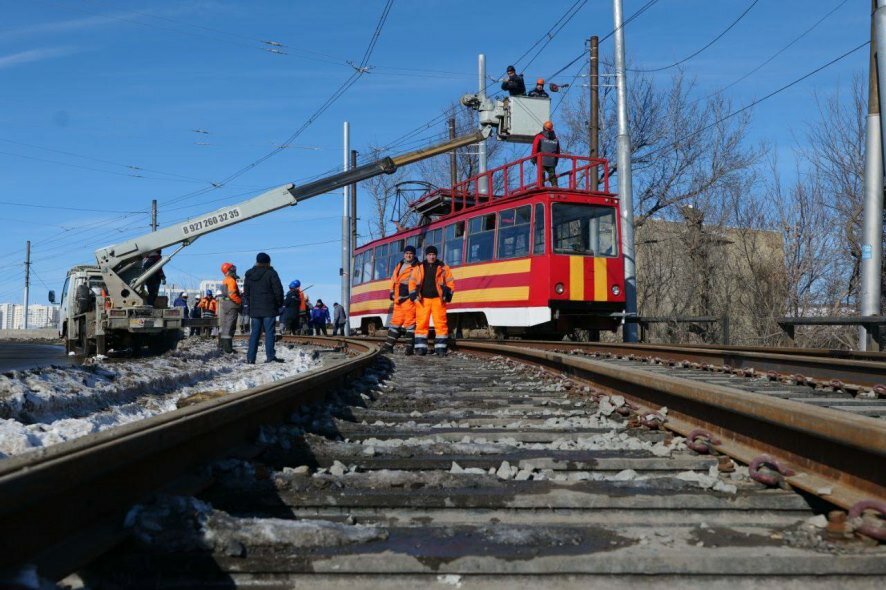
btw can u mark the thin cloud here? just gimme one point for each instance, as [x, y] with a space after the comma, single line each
[33, 55]
[75, 24]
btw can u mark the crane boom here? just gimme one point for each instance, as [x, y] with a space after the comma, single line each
[120, 263]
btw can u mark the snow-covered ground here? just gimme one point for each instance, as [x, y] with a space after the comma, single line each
[41, 407]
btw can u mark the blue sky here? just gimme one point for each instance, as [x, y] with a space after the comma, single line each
[100, 102]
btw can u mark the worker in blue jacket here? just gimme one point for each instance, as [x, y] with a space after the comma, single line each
[320, 317]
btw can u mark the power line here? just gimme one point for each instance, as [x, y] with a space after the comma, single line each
[352, 79]
[714, 40]
[759, 100]
[777, 53]
[67, 208]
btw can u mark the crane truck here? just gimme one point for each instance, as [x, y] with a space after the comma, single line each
[104, 306]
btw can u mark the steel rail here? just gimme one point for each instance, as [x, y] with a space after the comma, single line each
[822, 366]
[836, 455]
[50, 496]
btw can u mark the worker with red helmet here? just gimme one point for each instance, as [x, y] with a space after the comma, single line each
[231, 303]
[539, 90]
[431, 287]
[547, 144]
[402, 320]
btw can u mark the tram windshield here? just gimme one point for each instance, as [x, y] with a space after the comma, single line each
[587, 230]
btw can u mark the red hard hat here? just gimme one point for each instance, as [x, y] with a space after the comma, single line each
[226, 267]
[540, 81]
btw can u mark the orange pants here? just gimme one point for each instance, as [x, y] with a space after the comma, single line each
[403, 316]
[425, 308]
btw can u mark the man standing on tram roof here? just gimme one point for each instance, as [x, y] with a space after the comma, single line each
[547, 143]
[402, 320]
[514, 83]
[432, 286]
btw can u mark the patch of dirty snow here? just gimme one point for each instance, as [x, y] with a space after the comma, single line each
[42, 407]
[176, 523]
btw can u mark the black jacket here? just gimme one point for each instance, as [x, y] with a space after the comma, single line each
[263, 291]
[291, 303]
[514, 85]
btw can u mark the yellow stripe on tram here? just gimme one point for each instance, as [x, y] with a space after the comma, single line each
[600, 280]
[576, 278]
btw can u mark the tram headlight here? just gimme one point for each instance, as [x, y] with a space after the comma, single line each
[616, 290]
[559, 289]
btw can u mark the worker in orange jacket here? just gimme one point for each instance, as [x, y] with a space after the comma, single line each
[402, 320]
[231, 304]
[431, 287]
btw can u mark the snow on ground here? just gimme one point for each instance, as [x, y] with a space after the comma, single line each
[41, 407]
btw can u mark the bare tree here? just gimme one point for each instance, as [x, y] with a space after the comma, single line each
[682, 149]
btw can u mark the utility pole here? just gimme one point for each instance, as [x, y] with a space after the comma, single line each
[27, 281]
[154, 215]
[594, 126]
[872, 233]
[625, 191]
[353, 219]
[346, 229]
[483, 187]
[453, 162]
[353, 213]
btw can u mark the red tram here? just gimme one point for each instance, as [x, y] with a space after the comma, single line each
[527, 258]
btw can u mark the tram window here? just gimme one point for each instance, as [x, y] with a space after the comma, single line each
[366, 276]
[381, 263]
[433, 238]
[395, 254]
[513, 232]
[481, 238]
[454, 244]
[358, 267]
[538, 239]
[584, 229]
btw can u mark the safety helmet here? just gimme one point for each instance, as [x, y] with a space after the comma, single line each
[227, 266]
[209, 293]
[540, 81]
[548, 125]
[295, 284]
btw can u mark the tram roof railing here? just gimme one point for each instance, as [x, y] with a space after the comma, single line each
[515, 179]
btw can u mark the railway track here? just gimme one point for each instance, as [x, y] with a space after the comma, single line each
[503, 467]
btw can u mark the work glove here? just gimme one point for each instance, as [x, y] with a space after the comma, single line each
[391, 295]
[447, 294]
[413, 295]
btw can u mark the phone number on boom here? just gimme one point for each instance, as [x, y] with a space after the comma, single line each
[219, 219]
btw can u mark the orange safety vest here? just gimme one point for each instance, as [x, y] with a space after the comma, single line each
[302, 300]
[230, 290]
[401, 277]
[442, 279]
[210, 305]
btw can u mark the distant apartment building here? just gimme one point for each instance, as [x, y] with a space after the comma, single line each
[39, 316]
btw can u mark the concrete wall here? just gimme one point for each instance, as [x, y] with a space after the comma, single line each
[39, 334]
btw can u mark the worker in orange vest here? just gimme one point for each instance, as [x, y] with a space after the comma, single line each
[402, 320]
[231, 304]
[431, 287]
[208, 307]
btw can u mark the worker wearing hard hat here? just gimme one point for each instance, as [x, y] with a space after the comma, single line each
[292, 308]
[402, 319]
[231, 305]
[547, 144]
[539, 90]
[431, 286]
